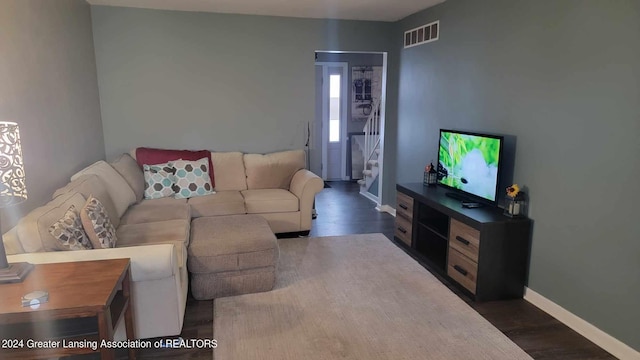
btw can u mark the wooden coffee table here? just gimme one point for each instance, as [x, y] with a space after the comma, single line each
[87, 299]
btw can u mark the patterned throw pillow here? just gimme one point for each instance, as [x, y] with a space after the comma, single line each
[97, 224]
[191, 178]
[158, 181]
[69, 232]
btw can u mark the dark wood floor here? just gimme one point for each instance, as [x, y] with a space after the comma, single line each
[341, 210]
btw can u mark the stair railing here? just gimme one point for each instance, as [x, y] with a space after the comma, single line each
[372, 132]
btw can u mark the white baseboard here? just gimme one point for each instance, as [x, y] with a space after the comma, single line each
[614, 346]
[386, 208]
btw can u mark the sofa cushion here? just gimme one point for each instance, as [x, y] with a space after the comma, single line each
[269, 201]
[33, 229]
[230, 174]
[169, 201]
[98, 225]
[191, 178]
[226, 243]
[151, 211]
[158, 156]
[220, 203]
[120, 192]
[69, 232]
[158, 181]
[92, 185]
[128, 168]
[273, 171]
[174, 232]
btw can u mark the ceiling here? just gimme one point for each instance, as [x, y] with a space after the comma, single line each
[376, 10]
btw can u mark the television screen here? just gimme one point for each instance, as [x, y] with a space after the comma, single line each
[470, 162]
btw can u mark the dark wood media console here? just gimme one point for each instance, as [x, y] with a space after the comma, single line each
[481, 250]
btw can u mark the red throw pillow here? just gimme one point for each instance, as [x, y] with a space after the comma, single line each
[152, 156]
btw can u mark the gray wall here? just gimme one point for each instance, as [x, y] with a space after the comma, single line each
[216, 81]
[390, 163]
[49, 87]
[564, 78]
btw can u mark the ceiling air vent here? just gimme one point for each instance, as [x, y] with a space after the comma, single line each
[422, 34]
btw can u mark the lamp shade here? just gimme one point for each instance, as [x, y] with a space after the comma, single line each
[13, 188]
[12, 191]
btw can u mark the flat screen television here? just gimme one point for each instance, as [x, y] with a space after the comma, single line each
[470, 164]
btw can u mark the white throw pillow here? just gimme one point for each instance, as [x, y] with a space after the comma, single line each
[117, 187]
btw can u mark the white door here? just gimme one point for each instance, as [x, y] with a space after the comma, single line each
[334, 106]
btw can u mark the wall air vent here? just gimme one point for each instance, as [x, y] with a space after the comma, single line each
[422, 34]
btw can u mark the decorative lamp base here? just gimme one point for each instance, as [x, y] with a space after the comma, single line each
[514, 208]
[15, 273]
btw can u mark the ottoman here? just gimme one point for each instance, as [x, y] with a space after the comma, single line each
[231, 255]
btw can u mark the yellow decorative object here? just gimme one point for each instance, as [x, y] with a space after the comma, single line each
[516, 202]
[513, 190]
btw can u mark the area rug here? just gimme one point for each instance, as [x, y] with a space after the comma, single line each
[354, 297]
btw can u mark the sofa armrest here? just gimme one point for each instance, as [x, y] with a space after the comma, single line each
[305, 185]
[149, 262]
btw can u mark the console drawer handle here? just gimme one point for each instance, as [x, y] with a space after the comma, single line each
[460, 270]
[402, 230]
[463, 240]
[404, 206]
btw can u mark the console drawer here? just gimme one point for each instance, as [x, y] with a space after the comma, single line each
[403, 230]
[465, 239]
[461, 269]
[405, 206]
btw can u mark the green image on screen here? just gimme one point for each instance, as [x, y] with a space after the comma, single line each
[470, 163]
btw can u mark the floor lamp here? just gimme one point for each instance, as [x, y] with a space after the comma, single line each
[12, 191]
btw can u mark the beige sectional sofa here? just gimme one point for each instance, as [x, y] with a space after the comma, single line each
[154, 234]
[275, 186]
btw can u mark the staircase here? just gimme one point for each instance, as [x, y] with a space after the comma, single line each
[357, 157]
[372, 156]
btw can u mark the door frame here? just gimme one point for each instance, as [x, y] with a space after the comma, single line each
[343, 115]
[383, 126]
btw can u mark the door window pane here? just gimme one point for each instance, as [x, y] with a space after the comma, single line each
[334, 108]
[334, 130]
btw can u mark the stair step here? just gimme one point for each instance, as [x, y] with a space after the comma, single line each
[373, 162]
[377, 151]
[362, 182]
[367, 172]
